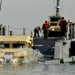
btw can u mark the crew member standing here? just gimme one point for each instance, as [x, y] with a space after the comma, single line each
[45, 29]
[63, 24]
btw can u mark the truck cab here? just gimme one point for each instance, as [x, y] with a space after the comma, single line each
[54, 29]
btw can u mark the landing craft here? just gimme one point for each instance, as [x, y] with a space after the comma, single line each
[63, 49]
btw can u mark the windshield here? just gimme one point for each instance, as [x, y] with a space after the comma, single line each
[4, 45]
[13, 45]
[53, 24]
[17, 45]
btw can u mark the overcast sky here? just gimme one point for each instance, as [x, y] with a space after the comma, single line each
[31, 13]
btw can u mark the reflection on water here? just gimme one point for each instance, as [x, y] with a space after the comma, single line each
[38, 69]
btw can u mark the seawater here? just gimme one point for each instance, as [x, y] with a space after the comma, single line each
[37, 69]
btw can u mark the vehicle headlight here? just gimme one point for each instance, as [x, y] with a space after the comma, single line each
[52, 29]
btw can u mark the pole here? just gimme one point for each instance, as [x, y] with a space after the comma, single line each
[0, 11]
[24, 31]
[3, 30]
[0, 29]
[8, 30]
[58, 8]
[0, 4]
[31, 34]
[11, 33]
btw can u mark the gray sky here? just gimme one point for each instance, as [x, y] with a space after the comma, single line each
[31, 13]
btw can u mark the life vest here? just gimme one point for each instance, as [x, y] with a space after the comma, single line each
[46, 25]
[63, 23]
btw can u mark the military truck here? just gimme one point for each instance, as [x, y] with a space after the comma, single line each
[54, 29]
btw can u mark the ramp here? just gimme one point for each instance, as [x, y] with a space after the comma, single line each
[46, 47]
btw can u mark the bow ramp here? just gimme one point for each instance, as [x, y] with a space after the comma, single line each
[46, 47]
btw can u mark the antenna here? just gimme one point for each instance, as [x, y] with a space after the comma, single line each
[58, 8]
[0, 4]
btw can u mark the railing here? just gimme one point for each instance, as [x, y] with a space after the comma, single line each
[9, 30]
[71, 31]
